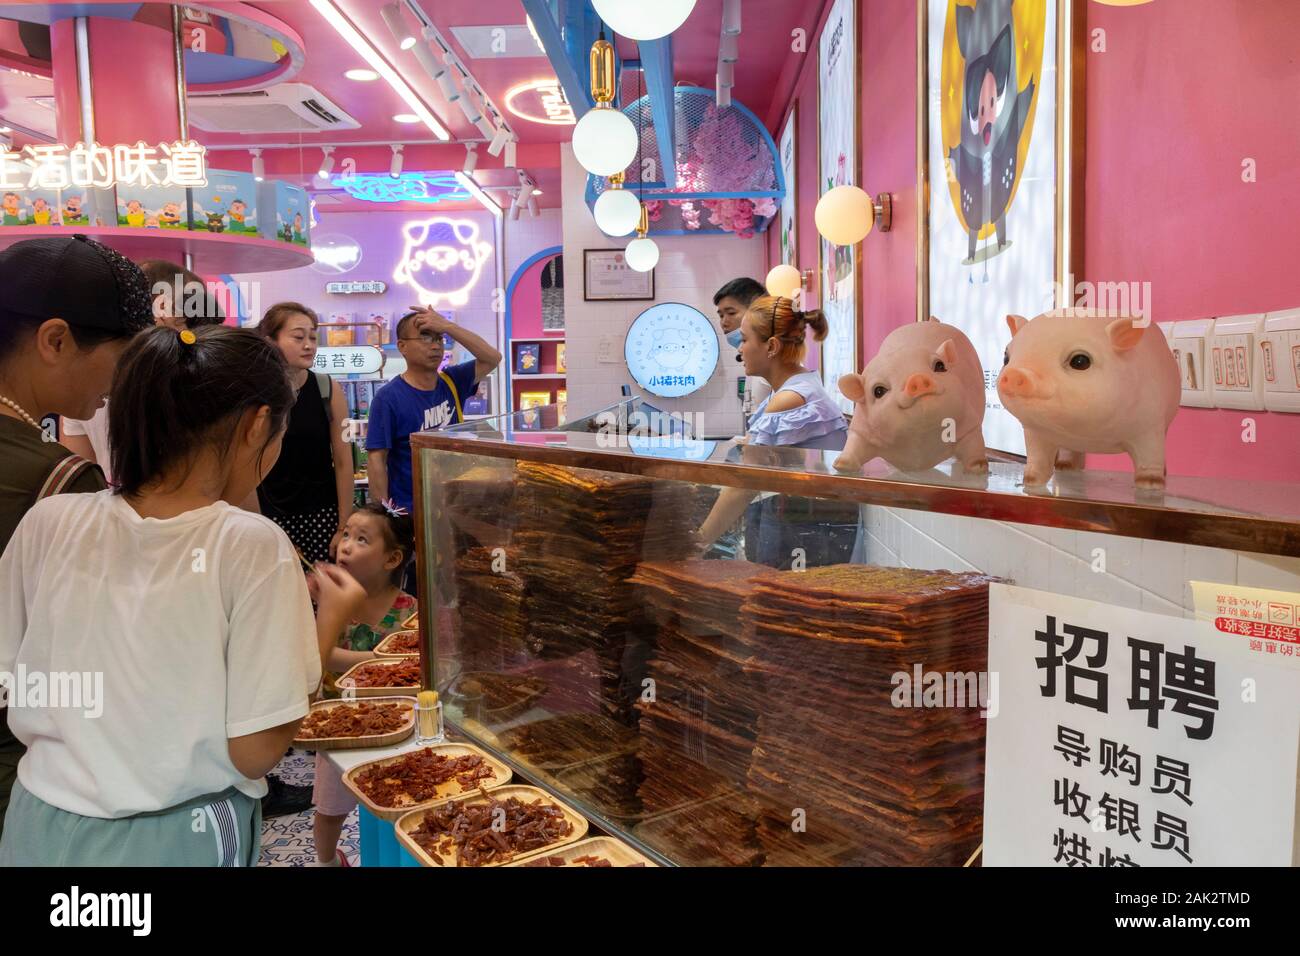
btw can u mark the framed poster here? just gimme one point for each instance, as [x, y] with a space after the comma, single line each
[607, 277]
[837, 163]
[998, 135]
[789, 205]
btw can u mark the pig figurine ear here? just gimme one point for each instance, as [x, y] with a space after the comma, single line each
[851, 387]
[1015, 323]
[1124, 334]
[948, 352]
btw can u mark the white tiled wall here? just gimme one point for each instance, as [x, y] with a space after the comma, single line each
[1146, 575]
[527, 236]
[691, 269]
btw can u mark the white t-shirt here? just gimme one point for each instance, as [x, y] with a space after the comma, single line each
[96, 429]
[200, 625]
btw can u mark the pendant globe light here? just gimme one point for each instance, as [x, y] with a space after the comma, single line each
[617, 210]
[604, 141]
[644, 19]
[642, 253]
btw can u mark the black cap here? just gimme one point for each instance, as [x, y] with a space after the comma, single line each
[75, 279]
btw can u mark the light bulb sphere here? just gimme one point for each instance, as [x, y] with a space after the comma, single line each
[845, 215]
[783, 280]
[644, 19]
[642, 254]
[617, 212]
[604, 142]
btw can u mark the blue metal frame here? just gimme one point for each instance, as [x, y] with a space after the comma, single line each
[508, 325]
[659, 191]
[657, 65]
[557, 38]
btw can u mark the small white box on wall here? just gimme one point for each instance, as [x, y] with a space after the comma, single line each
[1190, 341]
[1234, 356]
[1279, 354]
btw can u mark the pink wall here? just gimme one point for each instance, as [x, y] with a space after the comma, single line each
[1165, 202]
[526, 303]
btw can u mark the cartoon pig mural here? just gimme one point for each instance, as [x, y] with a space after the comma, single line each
[442, 260]
[994, 117]
[1084, 382]
[920, 401]
[672, 348]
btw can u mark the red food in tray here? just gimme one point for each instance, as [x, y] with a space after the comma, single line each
[360, 719]
[403, 674]
[416, 777]
[479, 834]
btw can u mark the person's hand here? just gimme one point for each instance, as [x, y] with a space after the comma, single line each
[339, 594]
[428, 319]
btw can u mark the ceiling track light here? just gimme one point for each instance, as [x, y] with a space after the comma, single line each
[731, 17]
[500, 137]
[395, 167]
[471, 158]
[470, 106]
[327, 163]
[259, 167]
[511, 153]
[532, 206]
[392, 14]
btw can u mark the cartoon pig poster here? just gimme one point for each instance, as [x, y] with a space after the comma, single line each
[442, 260]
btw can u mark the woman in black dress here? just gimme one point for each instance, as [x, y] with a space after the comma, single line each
[309, 491]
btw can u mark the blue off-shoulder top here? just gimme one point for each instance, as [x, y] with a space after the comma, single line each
[817, 423]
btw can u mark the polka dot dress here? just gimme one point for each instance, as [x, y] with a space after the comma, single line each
[310, 533]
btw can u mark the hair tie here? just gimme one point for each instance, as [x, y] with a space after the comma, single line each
[394, 511]
[188, 337]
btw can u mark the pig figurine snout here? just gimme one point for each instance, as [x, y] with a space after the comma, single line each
[1022, 383]
[918, 385]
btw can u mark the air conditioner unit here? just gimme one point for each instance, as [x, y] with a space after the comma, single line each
[286, 108]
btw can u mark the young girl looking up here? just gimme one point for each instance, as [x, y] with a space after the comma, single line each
[377, 544]
[185, 617]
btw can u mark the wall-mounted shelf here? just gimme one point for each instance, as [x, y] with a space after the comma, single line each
[213, 253]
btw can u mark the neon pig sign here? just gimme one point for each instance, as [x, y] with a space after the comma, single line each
[443, 260]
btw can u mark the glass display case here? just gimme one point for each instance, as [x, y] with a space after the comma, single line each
[697, 643]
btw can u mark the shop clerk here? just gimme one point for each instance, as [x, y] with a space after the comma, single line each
[421, 398]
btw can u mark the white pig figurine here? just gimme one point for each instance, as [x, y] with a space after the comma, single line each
[920, 401]
[1084, 382]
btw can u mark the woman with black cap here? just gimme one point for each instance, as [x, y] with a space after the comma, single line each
[68, 308]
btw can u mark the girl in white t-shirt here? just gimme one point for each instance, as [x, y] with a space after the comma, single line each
[176, 626]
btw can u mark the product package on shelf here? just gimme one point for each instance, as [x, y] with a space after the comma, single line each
[30, 207]
[227, 204]
[286, 212]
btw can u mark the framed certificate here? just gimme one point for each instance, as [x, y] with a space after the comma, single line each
[608, 278]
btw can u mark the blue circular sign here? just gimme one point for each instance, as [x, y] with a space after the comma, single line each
[671, 349]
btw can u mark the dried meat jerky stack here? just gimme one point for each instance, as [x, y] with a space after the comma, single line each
[480, 506]
[581, 534]
[693, 814]
[491, 601]
[586, 755]
[905, 782]
[705, 702]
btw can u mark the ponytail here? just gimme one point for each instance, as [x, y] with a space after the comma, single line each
[773, 317]
[175, 392]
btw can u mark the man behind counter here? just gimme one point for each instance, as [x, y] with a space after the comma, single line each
[733, 301]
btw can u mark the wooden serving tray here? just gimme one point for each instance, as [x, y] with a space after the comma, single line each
[616, 851]
[381, 649]
[412, 820]
[412, 623]
[447, 791]
[359, 743]
[374, 691]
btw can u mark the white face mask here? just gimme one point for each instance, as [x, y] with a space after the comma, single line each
[734, 339]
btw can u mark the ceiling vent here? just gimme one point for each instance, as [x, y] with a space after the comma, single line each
[286, 108]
